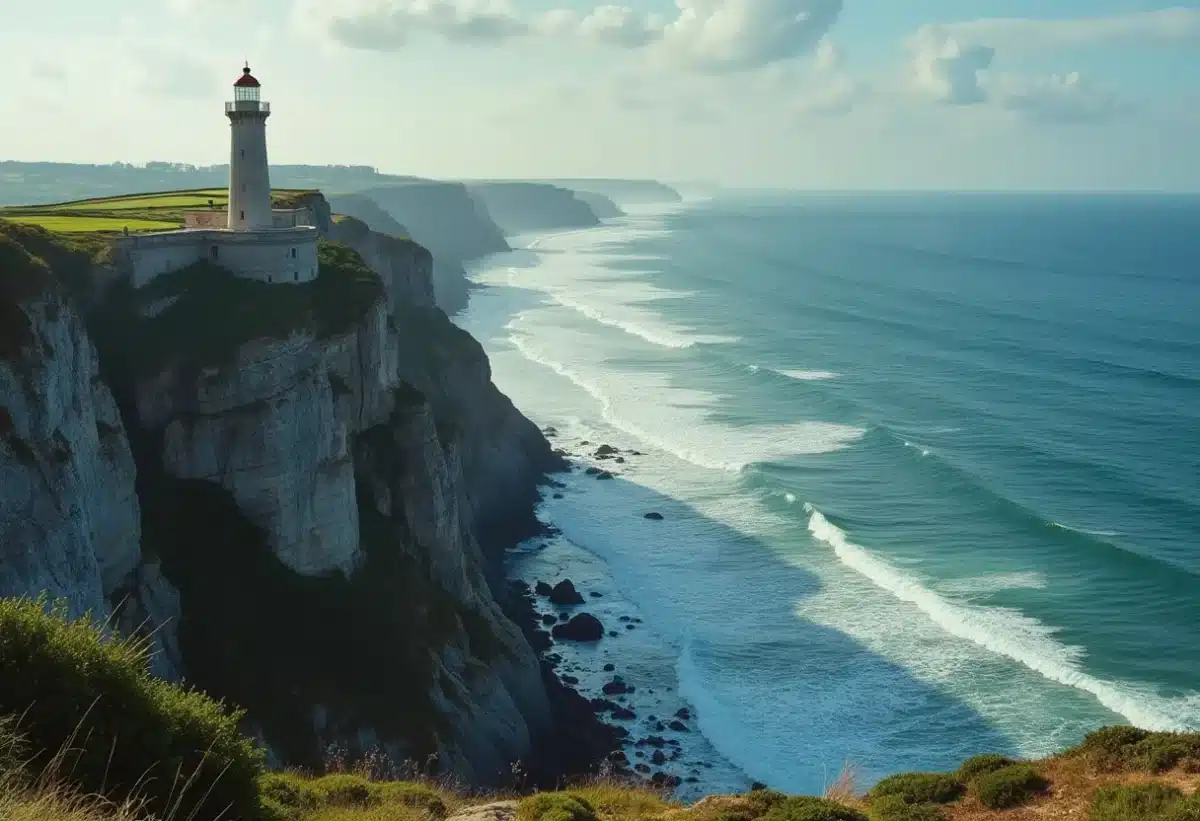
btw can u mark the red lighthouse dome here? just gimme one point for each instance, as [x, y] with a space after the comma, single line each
[246, 80]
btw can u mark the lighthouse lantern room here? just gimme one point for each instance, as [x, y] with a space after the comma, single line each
[249, 178]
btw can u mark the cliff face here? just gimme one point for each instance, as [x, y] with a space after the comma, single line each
[522, 207]
[441, 217]
[69, 516]
[321, 497]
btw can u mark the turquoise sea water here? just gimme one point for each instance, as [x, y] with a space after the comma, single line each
[930, 465]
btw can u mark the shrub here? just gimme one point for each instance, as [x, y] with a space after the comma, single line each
[118, 730]
[1136, 802]
[806, 808]
[1129, 748]
[895, 808]
[762, 800]
[978, 765]
[289, 797]
[1009, 787]
[555, 806]
[920, 788]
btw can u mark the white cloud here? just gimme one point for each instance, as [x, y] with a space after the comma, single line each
[839, 96]
[1057, 99]
[388, 26]
[1180, 26]
[707, 35]
[947, 71]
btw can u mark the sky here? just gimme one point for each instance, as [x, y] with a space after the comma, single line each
[812, 94]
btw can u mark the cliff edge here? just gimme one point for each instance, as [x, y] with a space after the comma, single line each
[298, 501]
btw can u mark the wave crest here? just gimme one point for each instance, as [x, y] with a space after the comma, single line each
[1011, 634]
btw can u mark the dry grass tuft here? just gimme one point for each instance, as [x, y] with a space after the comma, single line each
[845, 788]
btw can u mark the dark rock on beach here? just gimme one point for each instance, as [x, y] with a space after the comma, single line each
[565, 594]
[583, 627]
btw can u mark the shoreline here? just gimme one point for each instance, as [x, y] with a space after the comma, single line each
[629, 716]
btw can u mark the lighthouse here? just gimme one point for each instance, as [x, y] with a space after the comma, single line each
[251, 240]
[249, 178]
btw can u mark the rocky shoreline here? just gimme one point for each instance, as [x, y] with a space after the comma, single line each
[605, 731]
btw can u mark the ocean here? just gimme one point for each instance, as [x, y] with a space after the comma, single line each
[928, 467]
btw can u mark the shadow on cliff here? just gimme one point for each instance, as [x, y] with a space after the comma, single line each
[769, 685]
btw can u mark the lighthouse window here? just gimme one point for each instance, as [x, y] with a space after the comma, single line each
[243, 213]
[243, 152]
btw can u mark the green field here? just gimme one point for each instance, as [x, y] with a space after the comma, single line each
[155, 211]
[76, 224]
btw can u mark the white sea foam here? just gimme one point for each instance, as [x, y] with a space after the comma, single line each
[1102, 534]
[677, 420]
[1011, 634]
[574, 273]
[809, 376]
[1029, 580]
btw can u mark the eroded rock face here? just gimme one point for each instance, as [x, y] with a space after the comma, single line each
[69, 516]
[395, 418]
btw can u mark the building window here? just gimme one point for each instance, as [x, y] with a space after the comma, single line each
[296, 276]
[268, 278]
[243, 152]
[293, 253]
[243, 213]
[213, 252]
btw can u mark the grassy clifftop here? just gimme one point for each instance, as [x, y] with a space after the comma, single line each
[152, 211]
[81, 716]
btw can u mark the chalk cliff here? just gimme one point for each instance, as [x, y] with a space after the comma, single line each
[69, 516]
[299, 501]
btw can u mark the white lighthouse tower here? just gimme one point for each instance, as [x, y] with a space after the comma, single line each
[249, 179]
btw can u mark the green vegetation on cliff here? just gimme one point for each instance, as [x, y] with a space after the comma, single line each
[201, 315]
[93, 706]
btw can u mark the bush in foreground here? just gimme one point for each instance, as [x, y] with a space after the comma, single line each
[920, 788]
[1129, 748]
[290, 797]
[806, 808]
[1136, 802]
[561, 806]
[978, 765]
[118, 731]
[895, 808]
[1010, 786]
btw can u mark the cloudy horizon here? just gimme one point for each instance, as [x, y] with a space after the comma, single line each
[817, 94]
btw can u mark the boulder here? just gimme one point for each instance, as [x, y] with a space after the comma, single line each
[592, 471]
[564, 594]
[549, 619]
[653, 516]
[606, 450]
[542, 589]
[658, 758]
[616, 687]
[608, 668]
[684, 713]
[583, 627]
[603, 475]
[678, 726]
[623, 714]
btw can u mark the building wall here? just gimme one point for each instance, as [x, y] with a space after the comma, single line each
[276, 256]
[280, 218]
